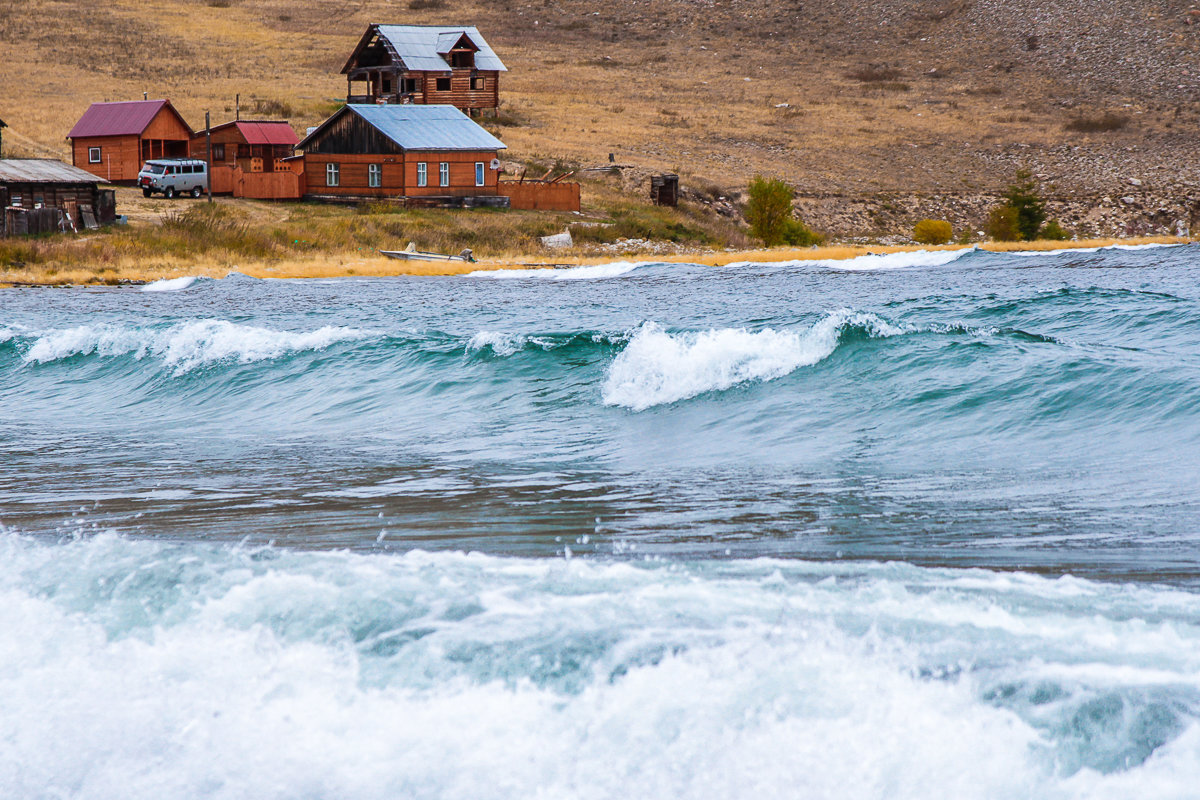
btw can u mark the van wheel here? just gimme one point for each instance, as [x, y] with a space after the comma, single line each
[196, 192]
[169, 192]
[146, 192]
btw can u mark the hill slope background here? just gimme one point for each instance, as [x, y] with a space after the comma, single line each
[836, 97]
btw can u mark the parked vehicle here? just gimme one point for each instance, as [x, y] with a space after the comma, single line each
[173, 176]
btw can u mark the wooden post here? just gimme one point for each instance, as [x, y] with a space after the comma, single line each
[208, 149]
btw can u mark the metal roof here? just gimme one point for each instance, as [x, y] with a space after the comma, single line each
[420, 47]
[268, 133]
[418, 127]
[43, 170]
[120, 119]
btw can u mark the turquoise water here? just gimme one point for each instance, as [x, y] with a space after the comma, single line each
[905, 526]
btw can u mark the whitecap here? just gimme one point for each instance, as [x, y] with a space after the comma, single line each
[502, 344]
[186, 345]
[1080, 250]
[872, 261]
[658, 367]
[591, 272]
[170, 284]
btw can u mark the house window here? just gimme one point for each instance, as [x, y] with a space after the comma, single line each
[422, 174]
[333, 174]
[444, 173]
[387, 85]
[374, 175]
[443, 84]
[218, 152]
[93, 155]
[478, 84]
[408, 85]
[479, 173]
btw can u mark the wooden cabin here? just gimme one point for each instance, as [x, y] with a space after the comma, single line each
[255, 145]
[43, 195]
[113, 140]
[248, 147]
[422, 154]
[426, 65]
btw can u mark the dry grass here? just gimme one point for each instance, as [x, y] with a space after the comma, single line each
[580, 85]
[372, 265]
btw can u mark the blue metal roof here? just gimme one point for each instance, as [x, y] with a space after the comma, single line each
[434, 127]
[421, 47]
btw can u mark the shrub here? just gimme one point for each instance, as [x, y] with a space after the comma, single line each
[1002, 224]
[1099, 124]
[1052, 230]
[932, 231]
[1025, 200]
[769, 212]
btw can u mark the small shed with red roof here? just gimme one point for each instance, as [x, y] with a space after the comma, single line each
[113, 140]
[254, 145]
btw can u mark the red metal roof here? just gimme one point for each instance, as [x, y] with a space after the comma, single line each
[268, 133]
[118, 119]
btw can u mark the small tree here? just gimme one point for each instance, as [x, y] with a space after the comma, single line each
[1053, 230]
[1025, 198]
[1002, 224]
[769, 209]
[932, 231]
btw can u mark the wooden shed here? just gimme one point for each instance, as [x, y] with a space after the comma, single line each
[424, 64]
[433, 155]
[42, 195]
[247, 148]
[113, 140]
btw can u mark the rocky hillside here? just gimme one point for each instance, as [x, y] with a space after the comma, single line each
[841, 98]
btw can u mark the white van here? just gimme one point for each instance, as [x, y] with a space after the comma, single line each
[173, 176]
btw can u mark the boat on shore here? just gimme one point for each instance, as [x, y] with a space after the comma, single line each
[411, 253]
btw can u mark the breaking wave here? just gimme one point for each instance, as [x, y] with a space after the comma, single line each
[592, 272]
[183, 346]
[170, 284]
[658, 367]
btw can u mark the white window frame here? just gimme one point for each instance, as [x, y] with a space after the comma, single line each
[422, 173]
[444, 173]
[480, 175]
[374, 175]
[333, 174]
[94, 155]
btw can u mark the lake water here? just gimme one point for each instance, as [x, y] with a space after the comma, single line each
[920, 525]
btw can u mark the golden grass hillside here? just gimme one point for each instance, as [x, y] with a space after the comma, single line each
[898, 95]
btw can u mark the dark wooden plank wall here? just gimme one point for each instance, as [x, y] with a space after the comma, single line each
[350, 133]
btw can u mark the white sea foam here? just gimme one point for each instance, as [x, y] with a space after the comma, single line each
[658, 367]
[170, 284]
[875, 261]
[186, 345]
[593, 272]
[144, 670]
[1076, 250]
[502, 344]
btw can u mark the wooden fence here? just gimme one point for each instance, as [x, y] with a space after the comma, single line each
[541, 195]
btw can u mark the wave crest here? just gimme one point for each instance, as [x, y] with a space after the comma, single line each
[658, 367]
[184, 346]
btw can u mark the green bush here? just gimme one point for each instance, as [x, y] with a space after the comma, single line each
[1052, 230]
[1002, 224]
[769, 212]
[932, 231]
[1025, 199]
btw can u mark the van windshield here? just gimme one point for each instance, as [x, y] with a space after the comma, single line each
[157, 169]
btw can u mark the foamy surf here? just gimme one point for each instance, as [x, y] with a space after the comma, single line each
[145, 669]
[658, 367]
[1079, 250]
[872, 261]
[184, 346]
[170, 284]
[593, 272]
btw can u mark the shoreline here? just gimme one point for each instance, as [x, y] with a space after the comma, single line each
[376, 266]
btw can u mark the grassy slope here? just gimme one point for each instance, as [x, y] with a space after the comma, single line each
[673, 84]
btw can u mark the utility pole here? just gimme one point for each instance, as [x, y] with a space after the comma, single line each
[208, 149]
